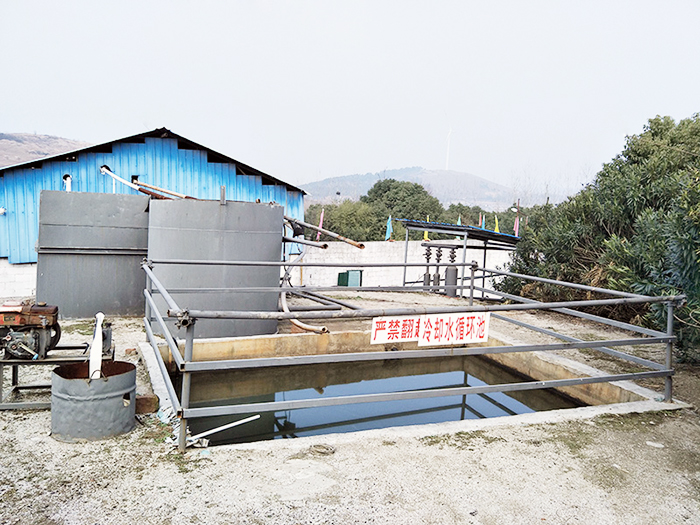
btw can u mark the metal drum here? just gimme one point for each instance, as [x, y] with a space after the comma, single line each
[86, 410]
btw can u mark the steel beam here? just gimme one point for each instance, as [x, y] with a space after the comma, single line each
[605, 350]
[231, 364]
[379, 312]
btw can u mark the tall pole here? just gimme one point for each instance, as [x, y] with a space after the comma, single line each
[447, 157]
[186, 383]
[668, 383]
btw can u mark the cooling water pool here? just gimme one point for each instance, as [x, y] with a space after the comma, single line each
[343, 379]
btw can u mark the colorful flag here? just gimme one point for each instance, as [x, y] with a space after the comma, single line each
[389, 229]
[320, 224]
[496, 228]
[516, 228]
[425, 233]
[459, 223]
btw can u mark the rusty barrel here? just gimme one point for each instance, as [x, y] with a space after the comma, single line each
[87, 410]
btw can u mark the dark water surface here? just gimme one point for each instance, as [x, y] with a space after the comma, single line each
[345, 379]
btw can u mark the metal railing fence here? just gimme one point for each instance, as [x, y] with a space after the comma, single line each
[187, 318]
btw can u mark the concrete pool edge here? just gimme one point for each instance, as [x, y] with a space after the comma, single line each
[543, 366]
[649, 403]
[468, 425]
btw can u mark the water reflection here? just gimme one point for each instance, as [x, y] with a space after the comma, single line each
[370, 377]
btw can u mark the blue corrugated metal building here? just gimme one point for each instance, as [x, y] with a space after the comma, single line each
[159, 157]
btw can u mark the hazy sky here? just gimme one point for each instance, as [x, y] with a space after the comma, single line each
[536, 94]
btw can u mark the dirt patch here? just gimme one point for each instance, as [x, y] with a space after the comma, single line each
[613, 469]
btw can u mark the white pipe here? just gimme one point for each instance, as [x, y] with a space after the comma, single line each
[96, 348]
[104, 171]
[223, 427]
[297, 322]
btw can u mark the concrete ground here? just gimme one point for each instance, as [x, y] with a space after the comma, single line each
[588, 465]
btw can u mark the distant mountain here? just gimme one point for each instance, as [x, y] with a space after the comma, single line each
[16, 148]
[449, 187]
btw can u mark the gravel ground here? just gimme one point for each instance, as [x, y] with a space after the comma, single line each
[583, 465]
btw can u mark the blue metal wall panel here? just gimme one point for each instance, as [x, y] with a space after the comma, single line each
[4, 220]
[157, 161]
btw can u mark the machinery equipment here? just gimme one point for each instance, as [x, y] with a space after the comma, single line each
[28, 331]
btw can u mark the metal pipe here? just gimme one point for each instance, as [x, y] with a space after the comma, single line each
[331, 300]
[313, 308]
[563, 283]
[413, 394]
[105, 171]
[260, 289]
[95, 360]
[186, 384]
[352, 357]
[587, 316]
[223, 427]
[283, 301]
[326, 232]
[405, 258]
[163, 369]
[204, 262]
[609, 351]
[149, 289]
[174, 349]
[324, 302]
[471, 287]
[161, 289]
[464, 260]
[483, 278]
[322, 245]
[163, 190]
[378, 312]
[668, 383]
[295, 322]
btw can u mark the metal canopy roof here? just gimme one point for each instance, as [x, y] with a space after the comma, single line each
[163, 133]
[472, 232]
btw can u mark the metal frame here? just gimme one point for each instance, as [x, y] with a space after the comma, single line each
[49, 361]
[187, 318]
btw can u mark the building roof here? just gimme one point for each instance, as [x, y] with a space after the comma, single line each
[472, 232]
[164, 133]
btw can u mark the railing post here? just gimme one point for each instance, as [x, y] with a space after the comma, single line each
[148, 314]
[483, 279]
[186, 383]
[471, 284]
[405, 257]
[668, 383]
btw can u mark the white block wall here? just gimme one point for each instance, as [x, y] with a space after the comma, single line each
[384, 252]
[17, 281]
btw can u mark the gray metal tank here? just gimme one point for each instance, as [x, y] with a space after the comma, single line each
[87, 410]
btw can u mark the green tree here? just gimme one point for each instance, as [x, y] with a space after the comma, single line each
[403, 200]
[635, 228]
[356, 220]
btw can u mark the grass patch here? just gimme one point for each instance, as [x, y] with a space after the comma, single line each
[636, 421]
[157, 432]
[460, 440]
[609, 477]
[575, 439]
[80, 327]
[182, 462]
